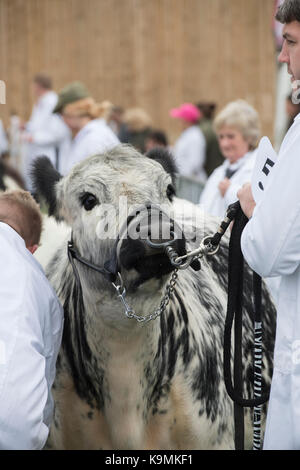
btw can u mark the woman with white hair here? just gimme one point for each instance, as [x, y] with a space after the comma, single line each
[238, 130]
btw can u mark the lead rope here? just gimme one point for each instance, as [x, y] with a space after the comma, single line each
[258, 359]
[234, 313]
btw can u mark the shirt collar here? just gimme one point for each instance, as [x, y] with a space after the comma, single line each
[238, 163]
[85, 130]
[12, 234]
[19, 241]
[297, 118]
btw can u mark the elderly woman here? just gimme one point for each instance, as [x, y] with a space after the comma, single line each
[238, 130]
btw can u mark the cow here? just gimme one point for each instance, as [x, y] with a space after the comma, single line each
[128, 384]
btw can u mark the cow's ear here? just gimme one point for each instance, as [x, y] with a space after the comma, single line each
[165, 158]
[44, 179]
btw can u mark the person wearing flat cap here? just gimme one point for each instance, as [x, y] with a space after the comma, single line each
[85, 119]
[190, 148]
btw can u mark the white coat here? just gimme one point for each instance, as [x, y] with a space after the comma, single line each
[38, 124]
[271, 246]
[211, 199]
[3, 139]
[95, 137]
[31, 321]
[190, 153]
[48, 130]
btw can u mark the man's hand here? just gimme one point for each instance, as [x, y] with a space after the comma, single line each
[224, 185]
[246, 199]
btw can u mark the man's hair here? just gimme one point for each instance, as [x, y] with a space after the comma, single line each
[19, 210]
[43, 81]
[289, 11]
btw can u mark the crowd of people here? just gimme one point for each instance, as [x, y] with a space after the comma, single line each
[217, 152]
[70, 125]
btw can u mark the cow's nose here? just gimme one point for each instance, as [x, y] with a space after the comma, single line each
[156, 231]
[147, 235]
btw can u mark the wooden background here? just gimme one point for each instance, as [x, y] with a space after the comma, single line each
[150, 53]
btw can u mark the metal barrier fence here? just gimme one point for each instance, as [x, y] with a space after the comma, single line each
[188, 188]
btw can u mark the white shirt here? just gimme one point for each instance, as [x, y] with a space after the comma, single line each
[271, 246]
[31, 321]
[190, 153]
[95, 137]
[3, 139]
[211, 199]
[48, 131]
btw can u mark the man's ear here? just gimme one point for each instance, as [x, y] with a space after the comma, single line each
[44, 180]
[166, 160]
[32, 248]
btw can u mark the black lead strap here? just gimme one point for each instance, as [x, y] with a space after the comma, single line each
[109, 270]
[235, 315]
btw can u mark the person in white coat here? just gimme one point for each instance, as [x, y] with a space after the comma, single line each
[271, 245]
[3, 140]
[83, 116]
[45, 132]
[31, 320]
[238, 130]
[190, 148]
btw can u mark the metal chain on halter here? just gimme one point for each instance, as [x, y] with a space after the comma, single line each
[209, 246]
[130, 313]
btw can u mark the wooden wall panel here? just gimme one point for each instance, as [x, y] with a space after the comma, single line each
[152, 53]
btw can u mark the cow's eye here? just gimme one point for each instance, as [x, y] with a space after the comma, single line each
[170, 192]
[88, 201]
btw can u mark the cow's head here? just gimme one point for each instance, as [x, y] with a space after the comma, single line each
[105, 195]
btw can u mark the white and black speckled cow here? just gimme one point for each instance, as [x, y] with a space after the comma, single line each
[125, 385]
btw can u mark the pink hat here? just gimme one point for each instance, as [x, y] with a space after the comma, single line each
[187, 111]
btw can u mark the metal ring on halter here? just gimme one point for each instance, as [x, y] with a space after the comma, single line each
[170, 252]
[208, 246]
[120, 286]
[199, 252]
[163, 244]
[176, 260]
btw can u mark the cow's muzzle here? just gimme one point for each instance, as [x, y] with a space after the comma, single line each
[151, 242]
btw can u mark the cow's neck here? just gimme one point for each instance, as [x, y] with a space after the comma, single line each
[129, 353]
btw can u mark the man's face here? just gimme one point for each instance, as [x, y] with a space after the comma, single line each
[290, 53]
[37, 90]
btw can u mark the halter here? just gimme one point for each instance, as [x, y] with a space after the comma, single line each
[111, 270]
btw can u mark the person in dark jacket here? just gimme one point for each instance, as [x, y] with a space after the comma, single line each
[214, 157]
